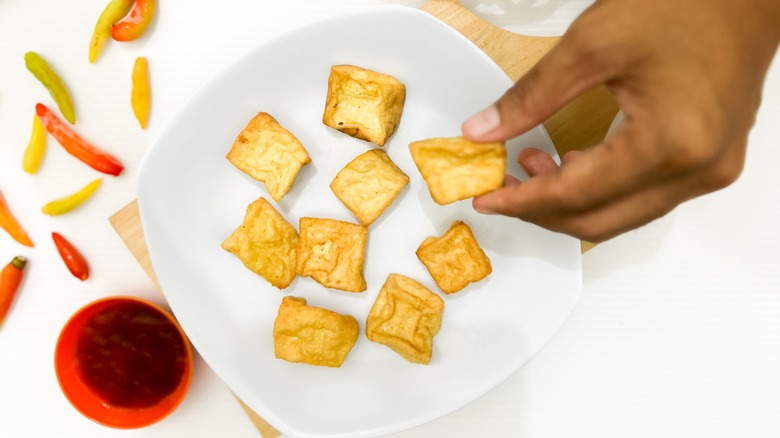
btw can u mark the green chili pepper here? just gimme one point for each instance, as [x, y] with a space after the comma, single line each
[40, 68]
[112, 14]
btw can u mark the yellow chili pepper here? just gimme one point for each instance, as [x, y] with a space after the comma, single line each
[68, 203]
[36, 148]
[111, 15]
[141, 96]
[40, 68]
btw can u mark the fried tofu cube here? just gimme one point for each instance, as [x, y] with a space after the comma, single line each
[312, 335]
[265, 243]
[456, 168]
[363, 103]
[368, 185]
[405, 317]
[332, 253]
[455, 259]
[269, 153]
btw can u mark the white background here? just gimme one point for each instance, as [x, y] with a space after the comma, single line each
[677, 333]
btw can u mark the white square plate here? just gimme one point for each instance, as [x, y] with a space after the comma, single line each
[191, 198]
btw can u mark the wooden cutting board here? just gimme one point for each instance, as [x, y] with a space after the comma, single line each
[582, 123]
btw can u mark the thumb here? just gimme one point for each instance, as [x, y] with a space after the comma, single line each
[558, 78]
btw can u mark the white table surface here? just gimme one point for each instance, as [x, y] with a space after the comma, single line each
[677, 333]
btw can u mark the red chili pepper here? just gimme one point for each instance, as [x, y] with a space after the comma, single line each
[135, 22]
[73, 259]
[77, 146]
[10, 279]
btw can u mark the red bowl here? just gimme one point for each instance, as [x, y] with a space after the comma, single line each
[123, 362]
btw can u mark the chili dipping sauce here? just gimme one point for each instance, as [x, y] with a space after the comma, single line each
[131, 355]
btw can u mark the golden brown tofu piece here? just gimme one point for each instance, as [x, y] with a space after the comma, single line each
[405, 317]
[269, 153]
[456, 168]
[363, 103]
[368, 185]
[455, 259]
[265, 243]
[312, 335]
[332, 253]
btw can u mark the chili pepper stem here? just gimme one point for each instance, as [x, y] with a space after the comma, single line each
[19, 262]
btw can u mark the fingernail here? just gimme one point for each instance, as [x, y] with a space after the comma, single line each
[482, 209]
[482, 122]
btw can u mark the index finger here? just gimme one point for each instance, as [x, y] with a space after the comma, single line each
[621, 165]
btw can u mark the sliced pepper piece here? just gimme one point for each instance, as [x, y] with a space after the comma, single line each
[77, 146]
[36, 148]
[73, 259]
[141, 96]
[10, 279]
[112, 14]
[68, 203]
[9, 223]
[59, 92]
[134, 24]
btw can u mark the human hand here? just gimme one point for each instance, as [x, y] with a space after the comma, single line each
[687, 76]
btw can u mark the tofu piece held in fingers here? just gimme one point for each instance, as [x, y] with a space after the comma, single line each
[456, 168]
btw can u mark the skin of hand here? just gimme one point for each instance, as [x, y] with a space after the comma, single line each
[687, 75]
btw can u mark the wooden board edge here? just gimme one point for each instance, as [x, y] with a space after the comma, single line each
[514, 53]
[127, 224]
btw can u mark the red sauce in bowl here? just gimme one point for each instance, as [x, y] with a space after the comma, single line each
[123, 362]
[131, 355]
